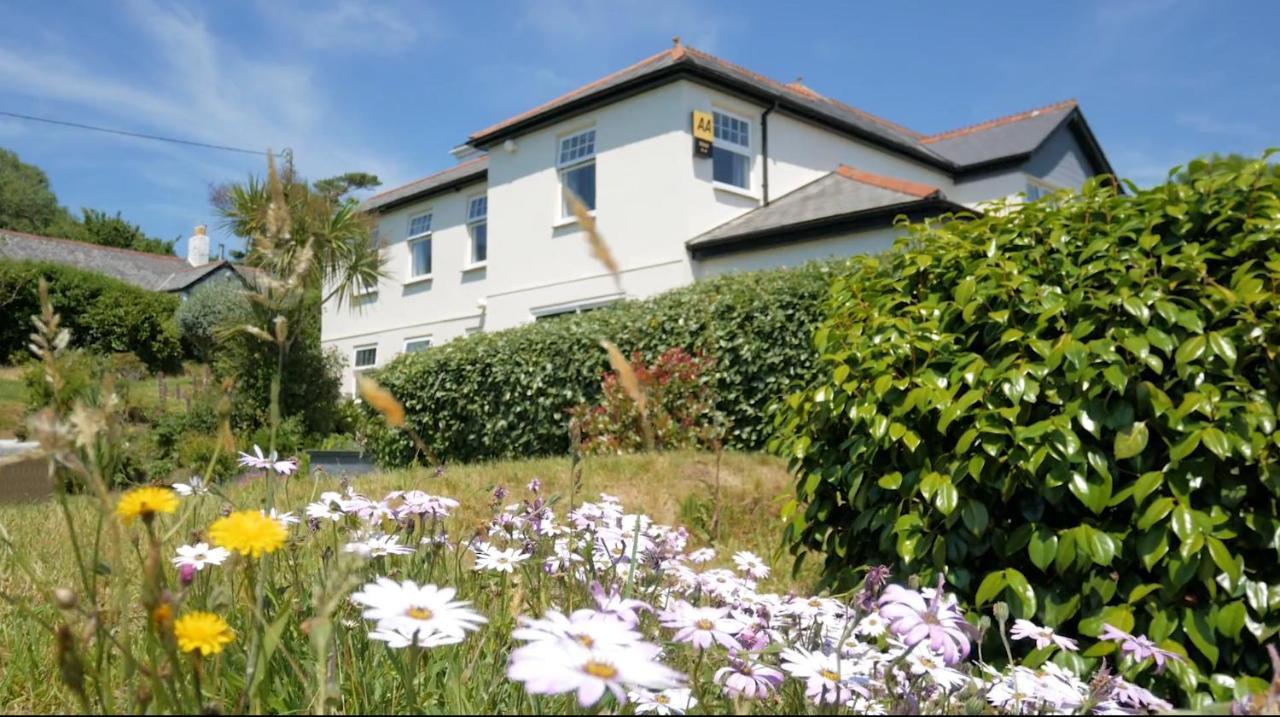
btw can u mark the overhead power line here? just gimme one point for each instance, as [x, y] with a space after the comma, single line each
[139, 135]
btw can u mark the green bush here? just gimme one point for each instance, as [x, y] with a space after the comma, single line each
[104, 315]
[1069, 407]
[506, 394]
[211, 307]
[311, 387]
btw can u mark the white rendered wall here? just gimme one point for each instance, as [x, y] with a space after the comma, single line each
[796, 254]
[441, 307]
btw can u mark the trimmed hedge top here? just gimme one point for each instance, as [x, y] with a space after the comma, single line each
[103, 314]
[1070, 406]
[506, 394]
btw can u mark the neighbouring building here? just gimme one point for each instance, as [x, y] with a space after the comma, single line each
[154, 272]
[693, 167]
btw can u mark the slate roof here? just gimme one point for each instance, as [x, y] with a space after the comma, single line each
[1007, 136]
[968, 149]
[455, 176]
[154, 272]
[845, 194]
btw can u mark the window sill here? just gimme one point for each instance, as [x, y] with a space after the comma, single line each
[418, 280]
[731, 189]
[569, 221]
[475, 267]
[364, 294]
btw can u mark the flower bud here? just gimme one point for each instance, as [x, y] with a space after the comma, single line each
[64, 598]
[186, 574]
[1001, 611]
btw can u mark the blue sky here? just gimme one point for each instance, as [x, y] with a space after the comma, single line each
[390, 87]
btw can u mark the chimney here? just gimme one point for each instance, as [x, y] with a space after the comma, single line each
[198, 248]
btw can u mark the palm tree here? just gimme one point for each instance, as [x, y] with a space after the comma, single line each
[343, 257]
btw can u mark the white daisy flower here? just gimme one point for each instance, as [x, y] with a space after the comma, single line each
[199, 555]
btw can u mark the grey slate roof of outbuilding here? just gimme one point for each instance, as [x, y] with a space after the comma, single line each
[846, 192]
[457, 175]
[154, 272]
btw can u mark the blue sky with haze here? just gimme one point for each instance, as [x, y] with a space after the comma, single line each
[390, 87]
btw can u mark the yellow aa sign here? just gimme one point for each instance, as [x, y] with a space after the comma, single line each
[702, 126]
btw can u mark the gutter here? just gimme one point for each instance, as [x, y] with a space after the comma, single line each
[764, 148]
[823, 227]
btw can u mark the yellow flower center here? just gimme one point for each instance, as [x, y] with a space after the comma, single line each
[662, 699]
[600, 669]
[585, 640]
[419, 613]
[704, 624]
[830, 675]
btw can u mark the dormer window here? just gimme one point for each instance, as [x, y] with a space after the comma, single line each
[731, 151]
[576, 162]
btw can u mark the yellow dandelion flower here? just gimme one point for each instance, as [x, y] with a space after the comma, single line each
[248, 532]
[202, 632]
[145, 502]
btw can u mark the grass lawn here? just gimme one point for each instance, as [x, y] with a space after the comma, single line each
[143, 393]
[673, 488]
[13, 400]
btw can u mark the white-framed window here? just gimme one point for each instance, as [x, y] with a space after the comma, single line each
[579, 307]
[1037, 189]
[731, 151]
[576, 162]
[414, 345]
[478, 228]
[365, 357]
[419, 243]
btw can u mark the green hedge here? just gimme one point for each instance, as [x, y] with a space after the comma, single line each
[103, 314]
[1070, 407]
[506, 394]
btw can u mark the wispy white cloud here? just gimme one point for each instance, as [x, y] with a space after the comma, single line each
[1206, 123]
[196, 85]
[349, 25]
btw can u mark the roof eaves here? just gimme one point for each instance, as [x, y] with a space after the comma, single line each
[817, 228]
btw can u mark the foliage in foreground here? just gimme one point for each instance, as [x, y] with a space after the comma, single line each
[507, 394]
[106, 315]
[1070, 406]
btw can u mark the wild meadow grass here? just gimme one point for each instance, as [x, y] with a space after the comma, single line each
[672, 488]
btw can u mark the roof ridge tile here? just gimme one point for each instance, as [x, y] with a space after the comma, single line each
[903, 186]
[998, 122]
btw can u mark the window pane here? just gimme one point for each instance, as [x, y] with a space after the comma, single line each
[479, 242]
[366, 357]
[421, 257]
[582, 182]
[478, 208]
[731, 130]
[730, 167]
[420, 225]
[416, 345]
[579, 146]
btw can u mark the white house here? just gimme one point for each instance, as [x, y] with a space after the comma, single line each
[789, 175]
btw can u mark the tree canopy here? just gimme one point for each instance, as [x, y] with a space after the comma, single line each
[28, 204]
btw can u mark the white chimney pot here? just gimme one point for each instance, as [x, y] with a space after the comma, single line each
[198, 247]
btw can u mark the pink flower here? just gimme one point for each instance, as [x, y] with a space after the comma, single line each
[743, 678]
[615, 606]
[914, 621]
[1139, 647]
[1044, 636]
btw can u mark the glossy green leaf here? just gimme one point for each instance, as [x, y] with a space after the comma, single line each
[1131, 442]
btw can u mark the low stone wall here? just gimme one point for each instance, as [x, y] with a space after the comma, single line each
[24, 476]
